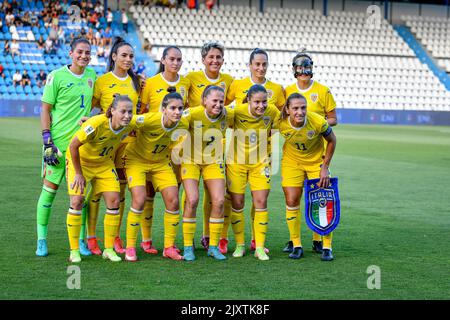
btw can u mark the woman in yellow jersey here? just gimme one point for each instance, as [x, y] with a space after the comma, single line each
[148, 156]
[90, 158]
[203, 157]
[304, 133]
[320, 100]
[258, 64]
[167, 80]
[119, 80]
[212, 58]
[248, 161]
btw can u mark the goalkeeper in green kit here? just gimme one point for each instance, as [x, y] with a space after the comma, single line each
[66, 100]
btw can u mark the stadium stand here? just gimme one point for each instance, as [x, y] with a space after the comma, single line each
[365, 68]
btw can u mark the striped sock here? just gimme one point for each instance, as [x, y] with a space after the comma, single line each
[237, 224]
[73, 228]
[171, 224]
[110, 223]
[133, 224]
[147, 220]
[44, 209]
[215, 228]
[261, 226]
[293, 222]
[189, 225]
[226, 216]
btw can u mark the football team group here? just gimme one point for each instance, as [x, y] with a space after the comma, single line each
[117, 131]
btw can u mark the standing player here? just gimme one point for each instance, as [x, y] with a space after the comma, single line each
[320, 100]
[203, 157]
[304, 133]
[213, 59]
[149, 155]
[119, 80]
[156, 88]
[66, 100]
[258, 64]
[248, 161]
[90, 158]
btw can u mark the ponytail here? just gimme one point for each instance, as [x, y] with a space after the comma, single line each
[117, 98]
[119, 42]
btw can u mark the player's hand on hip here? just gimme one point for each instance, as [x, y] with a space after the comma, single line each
[79, 183]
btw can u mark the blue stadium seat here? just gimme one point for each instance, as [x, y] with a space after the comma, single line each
[19, 89]
[14, 96]
[7, 36]
[6, 96]
[2, 81]
[36, 90]
[27, 90]
[11, 89]
[3, 89]
[22, 96]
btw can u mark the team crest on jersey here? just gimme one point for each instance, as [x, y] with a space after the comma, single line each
[140, 119]
[322, 206]
[223, 125]
[269, 93]
[185, 112]
[223, 85]
[266, 120]
[89, 130]
[90, 83]
[314, 97]
[182, 91]
[310, 134]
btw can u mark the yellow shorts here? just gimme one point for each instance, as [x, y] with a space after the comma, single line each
[238, 175]
[207, 171]
[160, 174]
[119, 162]
[103, 178]
[293, 174]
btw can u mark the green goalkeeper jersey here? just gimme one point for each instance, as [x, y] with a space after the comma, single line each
[71, 98]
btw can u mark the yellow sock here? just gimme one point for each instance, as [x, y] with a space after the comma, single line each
[206, 212]
[133, 222]
[147, 220]
[73, 228]
[110, 224]
[189, 225]
[252, 215]
[237, 224]
[183, 200]
[92, 218]
[261, 226]
[122, 205]
[171, 223]
[317, 237]
[293, 222]
[327, 240]
[226, 216]
[215, 228]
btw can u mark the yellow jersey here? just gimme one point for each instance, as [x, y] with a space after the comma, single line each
[204, 144]
[319, 98]
[304, 144]
[156, 89]
[100, 141]
[250, 144]
[107, 85]
[199, 81]
[153, 141]
[239, 88]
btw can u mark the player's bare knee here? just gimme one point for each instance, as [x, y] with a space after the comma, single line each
[192, 202]
[292, 202]
[76, 203]
[173, 204]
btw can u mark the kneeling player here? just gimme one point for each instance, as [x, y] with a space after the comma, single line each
[302, 159]
[90, 159]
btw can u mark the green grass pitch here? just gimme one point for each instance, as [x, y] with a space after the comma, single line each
[395, 214]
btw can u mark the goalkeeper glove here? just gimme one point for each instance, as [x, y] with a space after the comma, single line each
[51, 152]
